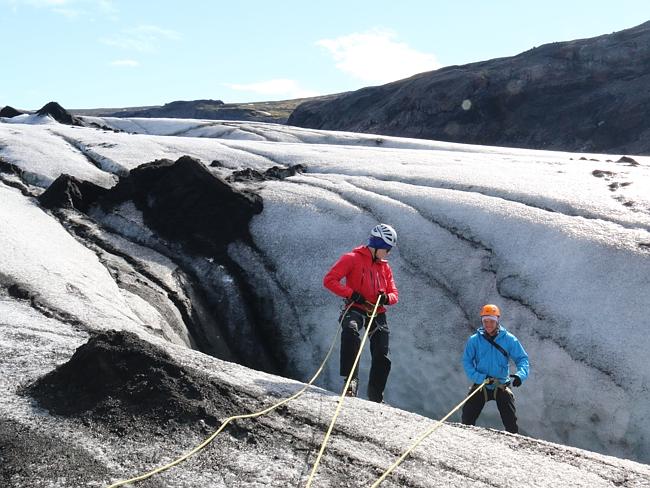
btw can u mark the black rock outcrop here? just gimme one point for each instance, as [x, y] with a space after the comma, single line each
[583, 95]
[58, 113]
[9, 112]
[69, 192]
[184, 202]
[20, 292]
[9, 168]
[118, 379]
[273, 173]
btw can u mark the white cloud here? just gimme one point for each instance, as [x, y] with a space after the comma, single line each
[107, 6]
[43, 3]
[142, 38]
[68, 8]
[50, 4]
[70, 13]
[280, 87]
[128, 63]
[376, 56]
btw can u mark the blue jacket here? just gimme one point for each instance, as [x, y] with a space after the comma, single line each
[481, 359]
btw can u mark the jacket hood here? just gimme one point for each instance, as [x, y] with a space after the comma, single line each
[364, 251]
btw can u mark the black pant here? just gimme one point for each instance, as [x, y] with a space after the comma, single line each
[352, 324]
[505, 403]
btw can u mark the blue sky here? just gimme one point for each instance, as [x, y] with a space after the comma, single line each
[112, 53]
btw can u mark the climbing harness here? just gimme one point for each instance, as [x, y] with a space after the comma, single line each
[342, 397]
[365, 315]
[425, 435]
[236, 417]
[498, 386]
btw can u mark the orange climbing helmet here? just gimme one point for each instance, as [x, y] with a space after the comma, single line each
[490, 309]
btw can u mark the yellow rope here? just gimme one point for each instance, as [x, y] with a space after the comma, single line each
[424, 436]
[345, 388]
[235, 417]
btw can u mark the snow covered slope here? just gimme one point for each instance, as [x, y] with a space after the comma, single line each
[560, 241]
[102, 445]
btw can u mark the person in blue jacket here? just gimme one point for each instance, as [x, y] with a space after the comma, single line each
[487, 356]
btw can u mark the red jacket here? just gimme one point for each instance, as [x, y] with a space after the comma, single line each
[363, 275]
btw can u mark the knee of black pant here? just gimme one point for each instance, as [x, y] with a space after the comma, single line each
[351, 327]
[505, 399]
[380, 346]
[350, 338]
[381, 361]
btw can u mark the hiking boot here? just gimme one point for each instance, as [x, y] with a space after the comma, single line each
[352, 388]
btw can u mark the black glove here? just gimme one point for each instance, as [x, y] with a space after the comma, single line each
[357, 297]
[383, 299]
[516, 380]
[489, 381]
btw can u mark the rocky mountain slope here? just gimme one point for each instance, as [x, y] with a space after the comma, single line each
[273, 111]
[584, 95]
[276, 111]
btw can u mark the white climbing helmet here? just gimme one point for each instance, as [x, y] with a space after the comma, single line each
[386, 233]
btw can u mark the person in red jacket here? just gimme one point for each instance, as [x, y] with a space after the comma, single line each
[368, 278]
